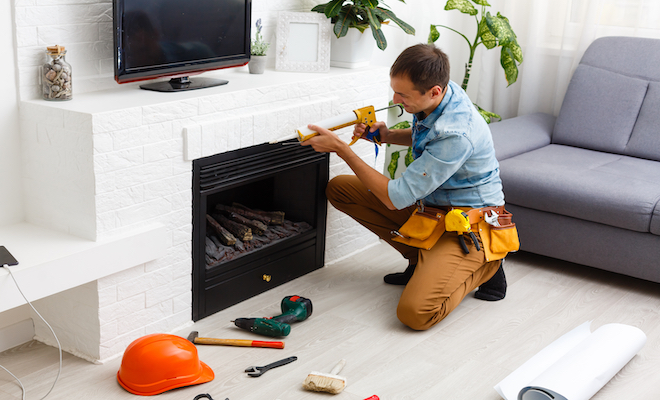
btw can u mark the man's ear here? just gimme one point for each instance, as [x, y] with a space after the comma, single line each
[437, 91]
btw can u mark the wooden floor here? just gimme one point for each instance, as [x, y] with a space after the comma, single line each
[462, 357]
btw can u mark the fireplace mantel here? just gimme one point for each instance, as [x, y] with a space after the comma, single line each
[111, 171]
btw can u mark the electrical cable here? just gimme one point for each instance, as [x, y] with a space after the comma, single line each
[59, 346]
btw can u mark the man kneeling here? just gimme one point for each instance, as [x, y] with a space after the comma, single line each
[454, 167]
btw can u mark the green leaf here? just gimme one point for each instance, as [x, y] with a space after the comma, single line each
[332, 8]
[463, 6]
[394, 164]
[361, 27]
[370, 3]
[433, 35]
[344, 21]
[482, 3]
[511, 51]
[517, 52]
[319, 8]
[487, 115]
[500, 27]
[374, 22]
[378, 34]
[401, 125]
[507, 59]
[389, 14]
[487, 38]
[409, 157]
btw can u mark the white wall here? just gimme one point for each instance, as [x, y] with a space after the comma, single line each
[16, 325]
[11, 210]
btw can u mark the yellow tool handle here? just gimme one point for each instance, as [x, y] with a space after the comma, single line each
[365, 115]
[239, 342]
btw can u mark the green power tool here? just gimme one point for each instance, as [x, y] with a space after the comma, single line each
[294, 308]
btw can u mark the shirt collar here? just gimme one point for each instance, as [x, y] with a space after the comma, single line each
[431, 118]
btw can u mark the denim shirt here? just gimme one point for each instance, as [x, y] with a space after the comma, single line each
[455, 162]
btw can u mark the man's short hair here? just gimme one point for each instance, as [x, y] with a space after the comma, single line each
[425, 65]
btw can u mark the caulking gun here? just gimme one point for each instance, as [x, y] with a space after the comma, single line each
[365, 115]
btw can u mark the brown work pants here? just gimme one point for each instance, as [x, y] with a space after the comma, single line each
[444, 275]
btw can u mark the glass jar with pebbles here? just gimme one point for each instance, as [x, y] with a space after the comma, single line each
[56, 75]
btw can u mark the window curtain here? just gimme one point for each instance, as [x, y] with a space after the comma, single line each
[554, 35]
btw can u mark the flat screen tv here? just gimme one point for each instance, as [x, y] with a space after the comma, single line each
[179, 38]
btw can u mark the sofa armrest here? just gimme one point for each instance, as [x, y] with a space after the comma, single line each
[519, 135]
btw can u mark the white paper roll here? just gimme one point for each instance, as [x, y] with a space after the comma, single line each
[575, 366]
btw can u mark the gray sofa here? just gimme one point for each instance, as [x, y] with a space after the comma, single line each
[585, 186]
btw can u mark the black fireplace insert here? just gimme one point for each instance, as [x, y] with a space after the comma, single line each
[259, 220]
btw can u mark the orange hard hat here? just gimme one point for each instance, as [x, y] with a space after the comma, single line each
[159, 362]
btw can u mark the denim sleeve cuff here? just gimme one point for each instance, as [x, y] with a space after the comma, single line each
[400, 194]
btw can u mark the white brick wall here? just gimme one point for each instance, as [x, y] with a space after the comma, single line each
[96, 169]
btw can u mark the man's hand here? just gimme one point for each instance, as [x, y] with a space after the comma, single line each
[392, 136]
[328, 142]
[360, 131]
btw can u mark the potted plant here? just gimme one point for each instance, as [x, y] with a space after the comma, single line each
[258, 49]
[355, 50]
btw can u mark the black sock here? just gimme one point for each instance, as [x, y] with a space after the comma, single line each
[495, 288]
[400, 278]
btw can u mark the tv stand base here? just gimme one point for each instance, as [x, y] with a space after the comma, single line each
[183, 83]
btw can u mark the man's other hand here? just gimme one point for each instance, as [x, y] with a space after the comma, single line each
[325, 142]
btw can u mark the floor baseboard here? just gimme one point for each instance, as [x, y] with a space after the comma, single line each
[16, 334]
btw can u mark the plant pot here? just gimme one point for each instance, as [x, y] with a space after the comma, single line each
[257, 64]
[353, 50]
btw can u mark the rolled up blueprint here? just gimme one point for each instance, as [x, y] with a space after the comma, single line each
[575, 366]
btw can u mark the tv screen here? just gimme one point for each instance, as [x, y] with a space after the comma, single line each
[178, 38]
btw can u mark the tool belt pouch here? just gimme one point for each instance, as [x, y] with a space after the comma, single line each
[502, 239]
[423, 229]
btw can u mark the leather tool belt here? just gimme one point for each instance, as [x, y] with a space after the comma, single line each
[426, 225]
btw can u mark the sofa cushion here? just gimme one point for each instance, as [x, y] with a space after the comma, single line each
[610, 189]
[599, 110]
[631, 56]
[521, 134]
[645, 139]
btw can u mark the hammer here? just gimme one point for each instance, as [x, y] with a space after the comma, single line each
[195, 339]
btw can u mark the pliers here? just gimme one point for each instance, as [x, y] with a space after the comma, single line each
[473, 237]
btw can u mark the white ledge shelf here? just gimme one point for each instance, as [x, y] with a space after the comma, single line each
[51, 262]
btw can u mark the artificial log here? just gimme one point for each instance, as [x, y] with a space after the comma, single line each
[276, 217]
[245, 213]
[223, 234]
[212, 249]
[241, 231]
[258, 227]
[217, 253]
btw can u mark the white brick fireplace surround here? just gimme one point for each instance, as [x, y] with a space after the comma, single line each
[108, 177]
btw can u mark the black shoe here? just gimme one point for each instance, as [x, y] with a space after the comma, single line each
[400, 278]
[495, 288]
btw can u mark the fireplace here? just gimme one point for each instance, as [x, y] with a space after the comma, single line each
[267, 180]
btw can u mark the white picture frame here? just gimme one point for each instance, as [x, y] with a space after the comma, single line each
[303, 42]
